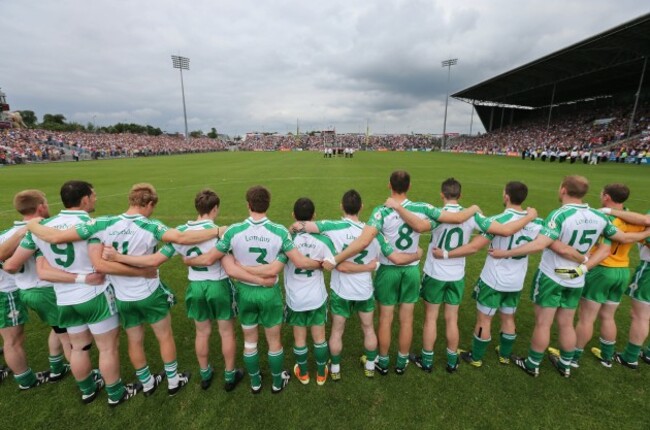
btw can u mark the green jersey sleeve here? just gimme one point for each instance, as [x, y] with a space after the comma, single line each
[376, 219]
[482, 222]
[552, 226]
[168, 250]
[385, 247]
[282, 258]
[28, 242]
[610, 230]
[224, 245]
[91, 227]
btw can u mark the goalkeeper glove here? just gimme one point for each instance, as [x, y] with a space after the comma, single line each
[572, 273]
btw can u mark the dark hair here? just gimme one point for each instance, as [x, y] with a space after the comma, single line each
[400, 181]
[517, 191]
[303, 209]
[258, 198]
[450, 188]
[618, 192]
[575, 186]
[351, 202]
[205, 201]
[73, 191]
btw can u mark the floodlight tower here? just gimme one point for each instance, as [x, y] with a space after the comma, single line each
[182, 63]
[448, 64]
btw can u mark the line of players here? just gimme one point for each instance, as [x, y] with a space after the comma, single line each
[68, 289]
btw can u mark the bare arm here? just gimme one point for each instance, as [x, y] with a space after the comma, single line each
[190, 237]
[235, 271]
[51, 274]
[16, 261]
[356, 246]
[631, 237]
[9, 246]
[478, 243]
[566, 251]
[415, 222]
[458, 217]
[631, 217]
[52, 235]
[536, 245]
[302, 262]
[350, 267]
[114, 268]
[152, 260]
[402, 259]
[206, 259]
[271, 269]
[602, 252]
[510, 228]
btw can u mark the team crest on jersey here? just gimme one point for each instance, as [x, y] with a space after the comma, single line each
[377, 216]
[429, 206]
[91, 221]
[552, 224]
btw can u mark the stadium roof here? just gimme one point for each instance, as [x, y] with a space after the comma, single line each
[607, 63]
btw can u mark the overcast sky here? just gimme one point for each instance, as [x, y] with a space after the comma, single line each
[261, 65]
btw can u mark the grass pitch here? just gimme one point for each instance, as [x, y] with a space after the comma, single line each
[493, 396]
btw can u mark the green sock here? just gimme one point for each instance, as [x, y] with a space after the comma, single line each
[402, 360]
[300, 352]
[452, 358]
[336, 359]
[56, 364]
[26, 379]
[577, 354]
[631, 353]
[321, 353]
[506, 342]
[370, 355]
[427, 358]
[478, 347]
[534, 359]
[607, 348]
[228, 375]
[171, 369]
[144, 376]
[206, 373]
[252, 363]
[565, 358]
[276, 363]
[88, 385]
[647, 351]
[383, 361]
[116, 390]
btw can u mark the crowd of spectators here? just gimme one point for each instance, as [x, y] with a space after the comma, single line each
[19, 145]
[320, 141]
[581, 132]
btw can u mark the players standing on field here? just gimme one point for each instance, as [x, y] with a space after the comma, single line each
[558, 283]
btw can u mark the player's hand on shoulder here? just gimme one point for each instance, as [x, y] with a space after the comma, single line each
[296, 227]
[476, 209]
[532, 212]
[391, 203]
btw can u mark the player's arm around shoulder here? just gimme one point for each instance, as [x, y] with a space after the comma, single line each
[48, 273]
[629, 216]
[152, 260]
[458, 217]
[95, 250]
[54, 236]
[510, 228]
[477, 243]
[10, 244]
[417, 223]
[186, 237]
[367, 235]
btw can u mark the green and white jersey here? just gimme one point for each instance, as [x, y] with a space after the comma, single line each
[129, 235]
[7, 280]
[508, 274]
[397, 232]
[256, 242]
[449, 237]
[578, 226]
[353, 286]
[306, 288]
[26, 277]
[71, 257]
[209, 273]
